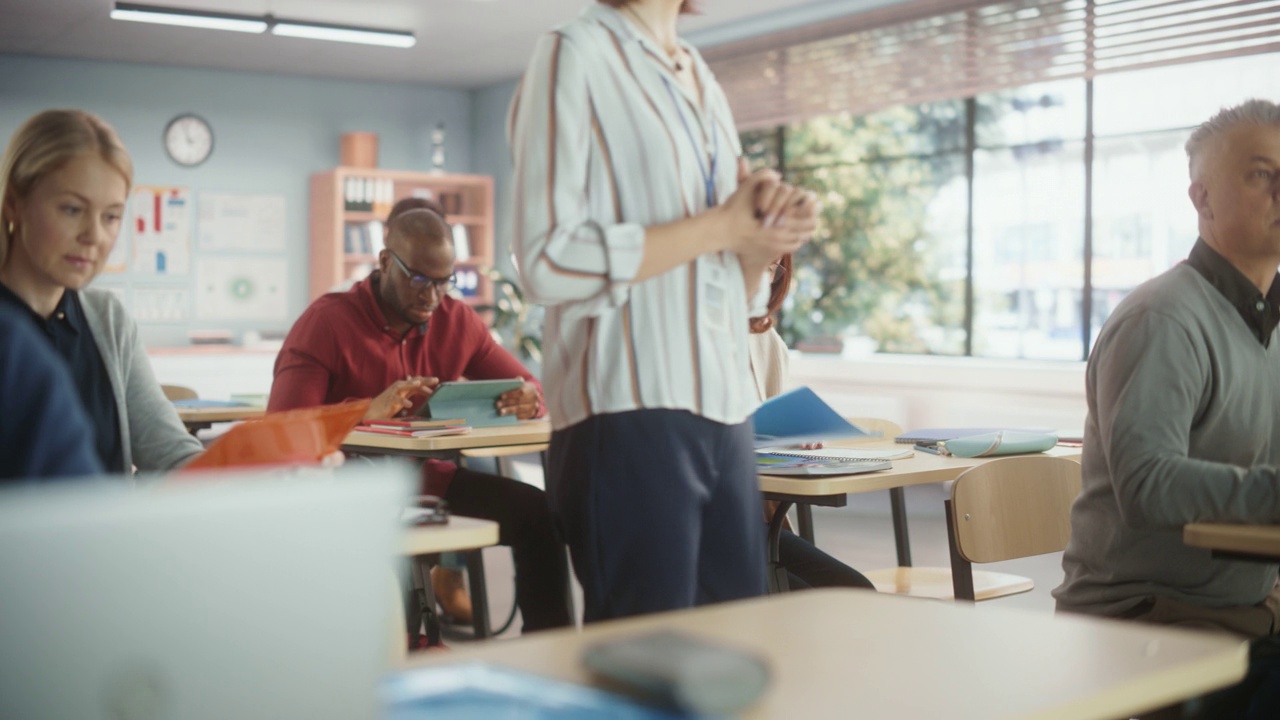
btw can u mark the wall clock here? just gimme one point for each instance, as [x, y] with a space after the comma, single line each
[188, 139]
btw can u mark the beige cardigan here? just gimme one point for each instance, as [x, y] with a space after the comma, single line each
[768, 362]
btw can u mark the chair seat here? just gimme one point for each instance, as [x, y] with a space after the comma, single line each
[935, 582]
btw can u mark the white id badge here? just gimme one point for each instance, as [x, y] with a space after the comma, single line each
[715, 296]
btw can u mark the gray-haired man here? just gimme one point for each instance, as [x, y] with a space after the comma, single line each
[1183, 388]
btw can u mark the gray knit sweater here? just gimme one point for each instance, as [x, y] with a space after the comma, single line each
[152, 434]
[1183, 426]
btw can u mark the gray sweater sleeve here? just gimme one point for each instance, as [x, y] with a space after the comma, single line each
[1156, 385]
[154, 438]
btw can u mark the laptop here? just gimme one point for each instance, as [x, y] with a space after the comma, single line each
[227, 595]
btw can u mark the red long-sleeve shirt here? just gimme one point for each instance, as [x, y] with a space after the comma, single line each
[341, 348]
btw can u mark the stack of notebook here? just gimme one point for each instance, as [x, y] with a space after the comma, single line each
[837, 461]
[415, 427]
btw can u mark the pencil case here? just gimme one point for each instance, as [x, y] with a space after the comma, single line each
[1002, 442]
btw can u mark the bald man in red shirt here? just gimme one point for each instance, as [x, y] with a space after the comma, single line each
[394, 337]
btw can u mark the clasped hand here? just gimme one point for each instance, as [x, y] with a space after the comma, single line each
[768, 218]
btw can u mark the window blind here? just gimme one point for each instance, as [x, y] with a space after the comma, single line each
[942, 49]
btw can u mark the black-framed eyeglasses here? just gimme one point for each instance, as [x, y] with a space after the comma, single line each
[421, 282]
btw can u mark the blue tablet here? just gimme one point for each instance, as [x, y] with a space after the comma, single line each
[471, 400]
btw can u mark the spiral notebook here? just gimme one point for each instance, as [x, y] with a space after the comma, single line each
[792, 463]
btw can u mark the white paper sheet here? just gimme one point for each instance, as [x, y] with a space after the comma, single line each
[160, 227]
[157, 304]
[240, 222]
[244, 287]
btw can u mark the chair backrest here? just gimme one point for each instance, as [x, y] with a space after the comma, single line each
[888, 430]
[1014, 507]
[178, 392]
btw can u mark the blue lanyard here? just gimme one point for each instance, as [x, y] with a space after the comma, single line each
[708, 174]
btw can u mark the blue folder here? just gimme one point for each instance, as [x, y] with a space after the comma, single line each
[800, 416]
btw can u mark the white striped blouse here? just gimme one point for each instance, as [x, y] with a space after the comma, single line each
[606, 141]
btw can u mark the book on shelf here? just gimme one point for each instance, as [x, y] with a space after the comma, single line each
[424, 433]
[793, 464]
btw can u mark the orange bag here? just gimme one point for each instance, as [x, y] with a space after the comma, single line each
[301, 436]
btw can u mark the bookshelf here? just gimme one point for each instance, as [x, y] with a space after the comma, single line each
[349, 205]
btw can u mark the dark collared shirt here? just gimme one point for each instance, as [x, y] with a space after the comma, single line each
[1261, 314]
[69, 333]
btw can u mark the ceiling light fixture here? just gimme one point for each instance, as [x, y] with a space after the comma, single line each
[343, 33]
[209, 20]
[213, 20]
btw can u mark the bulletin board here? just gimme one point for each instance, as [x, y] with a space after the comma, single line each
[189, 260]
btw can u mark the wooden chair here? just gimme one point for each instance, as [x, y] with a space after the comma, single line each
[1004, 509]
[178, 392]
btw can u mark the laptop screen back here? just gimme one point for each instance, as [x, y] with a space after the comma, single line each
[259, 595]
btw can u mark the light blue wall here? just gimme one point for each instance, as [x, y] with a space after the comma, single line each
[271, 132]
[492, 156]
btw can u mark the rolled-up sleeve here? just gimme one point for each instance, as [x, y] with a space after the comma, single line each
[564, 254]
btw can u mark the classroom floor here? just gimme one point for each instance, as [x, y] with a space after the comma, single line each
[860, 534]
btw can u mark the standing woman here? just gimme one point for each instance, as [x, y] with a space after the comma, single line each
[63, 187]
[647, 242]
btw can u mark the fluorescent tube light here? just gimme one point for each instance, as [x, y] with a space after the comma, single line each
[343, 33]
[188, 18]
[261, 23]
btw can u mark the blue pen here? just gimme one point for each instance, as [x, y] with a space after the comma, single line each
[931, 449]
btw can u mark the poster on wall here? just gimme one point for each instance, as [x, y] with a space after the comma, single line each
[118, 258]
[161, 304]
[239, 222]
[160, 230]
[247, 287]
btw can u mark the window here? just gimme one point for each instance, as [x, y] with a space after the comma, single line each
[965, 224]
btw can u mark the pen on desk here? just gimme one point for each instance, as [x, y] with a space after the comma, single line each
[931, 449]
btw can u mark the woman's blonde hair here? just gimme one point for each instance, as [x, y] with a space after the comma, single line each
[42, 146]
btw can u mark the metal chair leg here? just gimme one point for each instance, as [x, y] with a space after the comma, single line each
[898, 507]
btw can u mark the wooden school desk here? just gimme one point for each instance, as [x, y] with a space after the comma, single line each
[839, 653]
[833, 490]
[199, 418]
[1259, 542]
[529, 432]
[460, 533]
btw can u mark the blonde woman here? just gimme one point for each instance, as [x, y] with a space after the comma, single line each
[64, 184]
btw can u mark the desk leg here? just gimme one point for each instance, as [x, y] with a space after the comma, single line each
[804, 514]
[479, 594]
[777, 574]
[898, 505]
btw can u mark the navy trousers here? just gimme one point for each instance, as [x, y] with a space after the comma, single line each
[660, 510]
